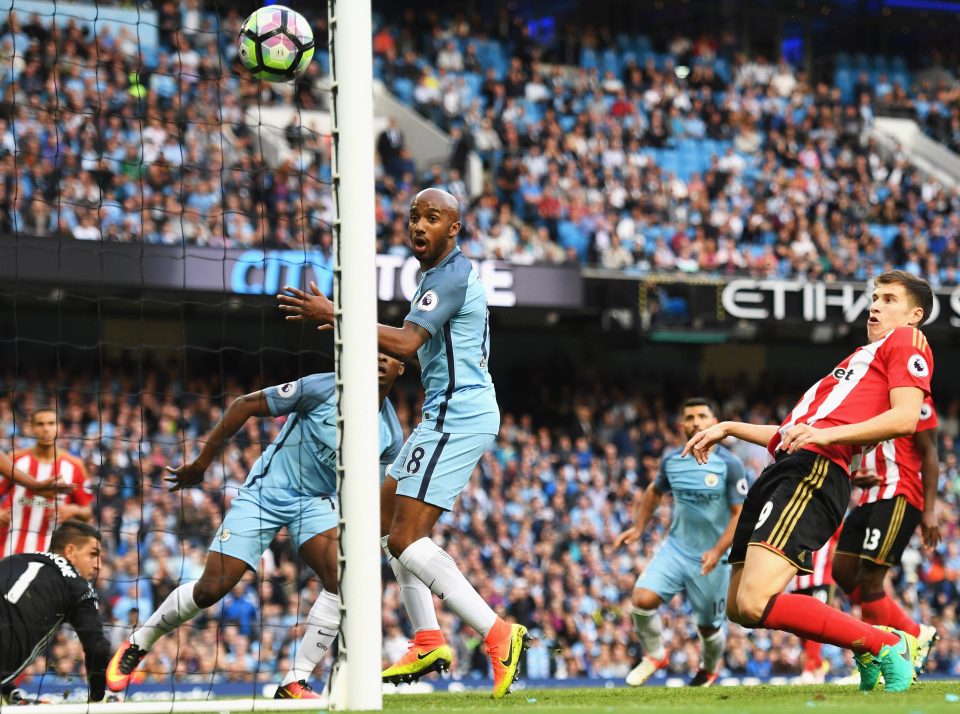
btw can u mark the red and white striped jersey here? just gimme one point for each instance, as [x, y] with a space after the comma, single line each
[33, 518]
[822, 567]
[859, 389]
[898, 463]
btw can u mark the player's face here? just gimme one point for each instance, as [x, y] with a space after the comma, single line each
[697, 419]
[433, 229]
[44, 426]
[85, 557]
[891, 308]
[388, 369]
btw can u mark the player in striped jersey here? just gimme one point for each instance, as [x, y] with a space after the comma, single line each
[32, 516]
[799, 501]
[819, 584]
[899, 480]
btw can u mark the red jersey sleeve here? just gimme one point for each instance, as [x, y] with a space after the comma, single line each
[81, 495]
[928, 416]
[908, 359]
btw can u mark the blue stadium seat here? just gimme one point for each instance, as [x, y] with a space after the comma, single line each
[611, 62]
[403, 88]
[588, 58]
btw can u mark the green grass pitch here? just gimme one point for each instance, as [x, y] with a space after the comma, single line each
[923, 698]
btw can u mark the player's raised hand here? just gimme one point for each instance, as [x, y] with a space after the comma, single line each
[799, 436]
[702, 442]
[630, 535]
[311, 306]
[185, 476]
[709, 560]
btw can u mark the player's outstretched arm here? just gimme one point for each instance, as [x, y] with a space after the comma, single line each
[925, 443]
[96, 649]
[402, 343]
[701, 443]
[644, 510]
[709, 560]
[241, 409]
[899, 420]
[43, 488]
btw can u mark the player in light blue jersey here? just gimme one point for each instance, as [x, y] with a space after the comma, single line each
[293, 485]
[448, 332]
[706, 505]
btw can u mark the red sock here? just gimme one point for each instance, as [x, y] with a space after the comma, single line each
[874, 610]
[429, 638]
[898, 619]
[810, 619]
[814, 660]
[498, 633]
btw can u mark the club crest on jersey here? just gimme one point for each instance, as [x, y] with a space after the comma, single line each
[917, 366]
[428, 301]
[288, 389]
[711, 480]
[925, 411]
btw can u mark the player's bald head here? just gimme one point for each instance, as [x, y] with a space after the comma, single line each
[438, 198]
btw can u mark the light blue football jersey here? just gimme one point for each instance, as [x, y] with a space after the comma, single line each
[702, 496]
[303, 457]
[451, 304]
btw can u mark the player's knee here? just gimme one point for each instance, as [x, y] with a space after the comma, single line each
[207, 593]
[645, 600]
[397, 542]
[871, 582]
[749, 607]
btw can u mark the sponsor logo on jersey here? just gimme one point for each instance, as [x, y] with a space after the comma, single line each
[917, 366]
[36, 502]
[288, 389]
[711, 480]
[428, 301]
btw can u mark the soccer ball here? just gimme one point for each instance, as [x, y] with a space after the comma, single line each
[275, 44]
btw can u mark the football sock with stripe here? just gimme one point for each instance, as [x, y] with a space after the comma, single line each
[322, 625]
[434, 566]
[884, 610]
[417, 598]
[713, 651]
[649, 628]
[810, 619]
[178, 608]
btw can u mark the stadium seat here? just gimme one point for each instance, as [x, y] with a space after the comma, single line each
[403, 88]
[588, 58]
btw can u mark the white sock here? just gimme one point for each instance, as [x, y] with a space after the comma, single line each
[649, 628]
[322, 625]
[178, 608]
[712, 651]
[417, 598]
[434, 566]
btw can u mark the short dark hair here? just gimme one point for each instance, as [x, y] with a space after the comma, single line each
[71, 532]
[918, 289]
[41, 410]
[702, 402]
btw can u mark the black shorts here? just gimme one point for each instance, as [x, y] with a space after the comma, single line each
[879, 531]
[795, 506]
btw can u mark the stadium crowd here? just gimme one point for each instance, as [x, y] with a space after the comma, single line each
[698, 159]
[534, 529]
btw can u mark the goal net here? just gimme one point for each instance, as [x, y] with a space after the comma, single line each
[155, 200]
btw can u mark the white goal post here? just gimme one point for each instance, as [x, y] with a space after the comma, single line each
[356, 678]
